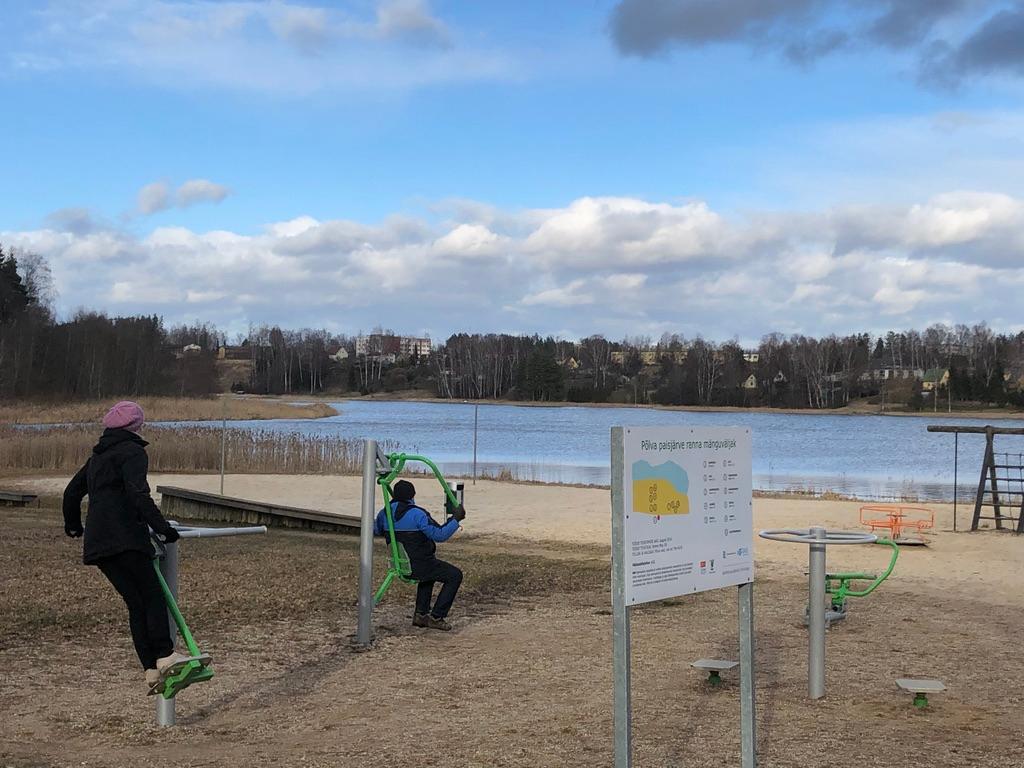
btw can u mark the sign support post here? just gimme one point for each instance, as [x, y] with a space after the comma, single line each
[621, 656]
[748, 734]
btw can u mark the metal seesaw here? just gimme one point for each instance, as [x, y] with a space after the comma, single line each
[197, 668]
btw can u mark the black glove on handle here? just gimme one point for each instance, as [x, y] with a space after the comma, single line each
[170, 536]
[459, 513]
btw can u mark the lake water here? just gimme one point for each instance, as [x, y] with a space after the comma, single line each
[870, 457]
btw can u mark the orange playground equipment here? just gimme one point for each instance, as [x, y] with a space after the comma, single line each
[905, 524]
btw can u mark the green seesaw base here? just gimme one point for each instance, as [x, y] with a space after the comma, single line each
[192, 672]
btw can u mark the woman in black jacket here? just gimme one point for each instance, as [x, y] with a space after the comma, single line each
[117, 533]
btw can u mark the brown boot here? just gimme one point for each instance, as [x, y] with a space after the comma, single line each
[435, 623]
[419, 619]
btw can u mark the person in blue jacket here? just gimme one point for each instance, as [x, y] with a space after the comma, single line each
[419, 533]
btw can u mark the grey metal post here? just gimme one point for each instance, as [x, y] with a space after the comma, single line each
[363, 630]
[816, 617]
[223, 443]
[748, 734]
[476, 421]
[620, 612]
[956, 457]
[165, 714]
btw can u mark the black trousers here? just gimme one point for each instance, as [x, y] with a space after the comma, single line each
[429, 573]
[133, 577]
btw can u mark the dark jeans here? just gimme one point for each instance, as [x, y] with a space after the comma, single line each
[427, 574]
[133, 577]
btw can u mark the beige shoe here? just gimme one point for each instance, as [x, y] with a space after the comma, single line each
[154, 682]
[168, 665]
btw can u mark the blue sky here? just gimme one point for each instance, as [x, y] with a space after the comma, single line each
[723, 168]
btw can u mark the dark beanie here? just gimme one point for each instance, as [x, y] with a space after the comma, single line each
[404, 491]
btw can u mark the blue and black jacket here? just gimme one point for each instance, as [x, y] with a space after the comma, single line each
[415, 530]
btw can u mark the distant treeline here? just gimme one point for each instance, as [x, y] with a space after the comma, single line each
[93, 356]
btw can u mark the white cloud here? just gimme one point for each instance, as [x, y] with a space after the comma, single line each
[305, 28]
[200, 191]
[597, 265]
[411, 20]
[571, 295]
[158, 196]
[283, 48]
[154, 197]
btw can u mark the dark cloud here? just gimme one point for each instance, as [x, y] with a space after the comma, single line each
[996, 47]
[804, 31]
[645, 27]
[812, 48]
[910, 22]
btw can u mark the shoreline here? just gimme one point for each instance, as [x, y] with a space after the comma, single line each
[1017, 415]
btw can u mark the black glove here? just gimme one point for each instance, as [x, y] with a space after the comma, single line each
[170, 536]
[459, 513]
[74, 533]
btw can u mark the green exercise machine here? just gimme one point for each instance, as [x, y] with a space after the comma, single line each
[389, 467]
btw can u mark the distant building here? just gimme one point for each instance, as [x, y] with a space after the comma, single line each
[240, 352]
[750, 382]
[880, 371]
[752, 356]
[388, 347]
[935, 378]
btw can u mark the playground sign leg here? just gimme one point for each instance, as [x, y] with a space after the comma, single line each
[165, 714]
[620, 614]
[363, 631]
[748, 737]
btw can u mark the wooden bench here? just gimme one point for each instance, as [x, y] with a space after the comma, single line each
[186, 504]
[17, 499]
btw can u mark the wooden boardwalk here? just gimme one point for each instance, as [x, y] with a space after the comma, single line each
[17, 498]
[186, 504]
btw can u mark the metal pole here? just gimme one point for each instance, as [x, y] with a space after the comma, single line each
[816, 617]
[476, 421]
[748, 735]
[363, 630]
[169, 567]
[223, 443]
[956, 455]
[620, 612]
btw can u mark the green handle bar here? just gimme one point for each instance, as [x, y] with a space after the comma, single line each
[844, 579]
[172, 606]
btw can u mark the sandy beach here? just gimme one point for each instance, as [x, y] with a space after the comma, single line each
[525, 678]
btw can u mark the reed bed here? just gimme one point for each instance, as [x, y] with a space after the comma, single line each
[188, 449]
[163, 409]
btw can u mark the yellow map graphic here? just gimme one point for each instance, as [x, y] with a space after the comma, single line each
[658, 496]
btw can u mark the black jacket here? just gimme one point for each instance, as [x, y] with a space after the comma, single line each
[121, 511]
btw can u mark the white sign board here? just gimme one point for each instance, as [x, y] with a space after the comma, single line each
[688, 507]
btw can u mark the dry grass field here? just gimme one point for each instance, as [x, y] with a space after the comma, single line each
[163, 409]
[525, 678]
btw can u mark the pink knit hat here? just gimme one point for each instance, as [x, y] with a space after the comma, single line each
[125, 415]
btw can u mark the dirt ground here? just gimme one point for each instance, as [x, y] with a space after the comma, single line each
[525, 678]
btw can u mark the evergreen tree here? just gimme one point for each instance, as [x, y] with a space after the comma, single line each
[13, 296]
